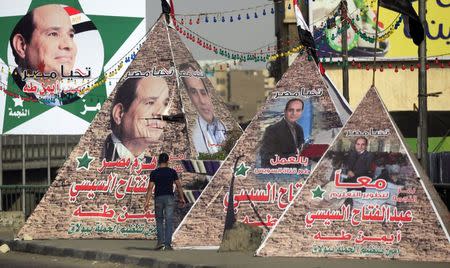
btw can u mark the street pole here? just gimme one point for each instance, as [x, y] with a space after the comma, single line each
[48, 161]
[344, 47]
[228, 86]
[423, 110]
[1, 171]
[376, 41]
[23, 175]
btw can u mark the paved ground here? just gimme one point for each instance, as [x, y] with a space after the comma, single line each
[27, 260]
[6, 234]
[54, 253]
[140, 252]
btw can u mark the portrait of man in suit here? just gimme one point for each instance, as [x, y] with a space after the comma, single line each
[43, 41]
[209, 132]
[359, 161]
[136, 117]
[285, 137]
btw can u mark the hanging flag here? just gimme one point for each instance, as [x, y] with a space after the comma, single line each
[169, 12]
[412, 21]
[306, 37]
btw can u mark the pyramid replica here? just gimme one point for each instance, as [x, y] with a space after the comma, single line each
[100, 190]
[367, 198]
[269, 162]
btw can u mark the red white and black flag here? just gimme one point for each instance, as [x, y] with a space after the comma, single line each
[306, 37]
[80, 22]
[412, 21]
[168, 11]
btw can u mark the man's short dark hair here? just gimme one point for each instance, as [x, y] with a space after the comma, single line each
[163, 158]
[25, 27]
[291, 101]
[362, 138]
[187, 66]
[125, 95]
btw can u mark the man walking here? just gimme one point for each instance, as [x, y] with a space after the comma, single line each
[163, 179]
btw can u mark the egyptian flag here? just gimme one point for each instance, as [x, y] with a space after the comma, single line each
[169, 12]
[306, 37]
[80, 22]
[412, 21]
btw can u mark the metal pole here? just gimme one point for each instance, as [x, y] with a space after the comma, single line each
[23, 174]
[344, 46]
[48, 161]
[375, 48]
[1, 171]
[230, 217]
[228, 86]
[65, 147]
[423, 110]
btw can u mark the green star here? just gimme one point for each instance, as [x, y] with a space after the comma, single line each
[318, 192]
[242, 170]
[84, 162]
[114, 31]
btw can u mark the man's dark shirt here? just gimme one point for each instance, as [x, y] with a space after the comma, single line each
[278, 139]
[163, 178]
[360, 164]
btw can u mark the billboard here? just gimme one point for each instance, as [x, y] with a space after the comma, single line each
[100, 190]
[60, 60]
[396, 43]
[270, 161]
[365, 199]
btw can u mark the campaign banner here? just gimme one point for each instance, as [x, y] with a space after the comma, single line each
[101, 189]
[270, 161]
[60, 60]
[366, 198]
[396, 42]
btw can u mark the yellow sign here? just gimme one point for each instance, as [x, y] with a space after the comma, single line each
[398, 44]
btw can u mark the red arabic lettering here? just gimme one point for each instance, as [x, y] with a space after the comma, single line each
[123, 217]
[136, 166]
[119, 187]
[387, 239]
[343, 237]
[362, 182]
[360, 238]
[105, 213]
[327, 216]
[270, 221]
[271, 194]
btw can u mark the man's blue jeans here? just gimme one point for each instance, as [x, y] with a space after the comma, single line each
[164, 206]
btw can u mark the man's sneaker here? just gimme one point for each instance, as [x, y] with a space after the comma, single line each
[159, 247]
[169, 247]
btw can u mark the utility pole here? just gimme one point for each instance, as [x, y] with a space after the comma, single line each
[23, 175]
[1, 171]
[48, 161]
[286, 32]
[423, 110]
[344, 50]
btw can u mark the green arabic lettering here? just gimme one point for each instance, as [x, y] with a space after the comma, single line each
[75, 227]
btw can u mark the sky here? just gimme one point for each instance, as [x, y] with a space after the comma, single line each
[245, 35]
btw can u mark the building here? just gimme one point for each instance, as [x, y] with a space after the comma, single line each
[243, 90]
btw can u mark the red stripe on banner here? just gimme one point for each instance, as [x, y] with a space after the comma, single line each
[71, 10]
